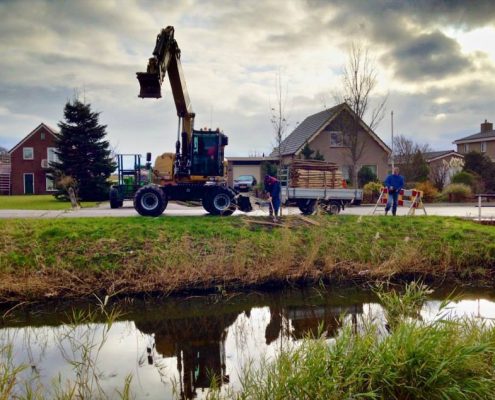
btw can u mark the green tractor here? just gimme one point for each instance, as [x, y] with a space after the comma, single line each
[131, 175]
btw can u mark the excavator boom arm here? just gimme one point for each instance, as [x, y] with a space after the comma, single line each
[166, 58]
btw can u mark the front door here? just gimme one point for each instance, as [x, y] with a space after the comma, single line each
[28, 184]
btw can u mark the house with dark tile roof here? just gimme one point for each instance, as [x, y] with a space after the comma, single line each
[326, 131]
[482, 141]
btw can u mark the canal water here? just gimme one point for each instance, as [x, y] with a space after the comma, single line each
[171, 348]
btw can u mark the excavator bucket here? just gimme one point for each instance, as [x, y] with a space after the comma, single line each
[150, 85]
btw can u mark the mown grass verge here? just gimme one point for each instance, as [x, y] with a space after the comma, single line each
[78, 257]
[38, 202]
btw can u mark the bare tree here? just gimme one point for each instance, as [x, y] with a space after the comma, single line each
[278, 118]
[359, 80]
[410, 156]
[441, 173]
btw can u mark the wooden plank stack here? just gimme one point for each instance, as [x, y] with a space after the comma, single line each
[313, 174]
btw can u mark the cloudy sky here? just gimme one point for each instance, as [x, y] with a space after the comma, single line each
[435, 60]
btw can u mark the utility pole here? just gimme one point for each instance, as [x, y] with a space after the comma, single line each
[392, 130]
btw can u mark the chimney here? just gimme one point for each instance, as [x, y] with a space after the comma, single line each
[486, 127]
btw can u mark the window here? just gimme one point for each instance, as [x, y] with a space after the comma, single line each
[51, 156]
[27, 153]
[42, 136]
[346, 172]
[336, 139]
[483, 147]
[372, 168]
[50, 187]
[466, 148]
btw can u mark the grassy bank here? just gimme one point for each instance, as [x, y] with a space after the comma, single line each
[77, 257]
[444, 358]
[37, 202]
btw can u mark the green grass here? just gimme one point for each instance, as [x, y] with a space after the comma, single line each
[442, 359]
[37, 202]
[66, 257]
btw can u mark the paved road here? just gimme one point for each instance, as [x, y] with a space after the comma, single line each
[174, 209]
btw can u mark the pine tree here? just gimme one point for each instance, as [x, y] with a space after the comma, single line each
[84, 154]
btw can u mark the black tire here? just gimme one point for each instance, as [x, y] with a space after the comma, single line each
[150, 201]
[115, 202]
[333, 207]
[356, 203]
[307, 206]
[219, 201]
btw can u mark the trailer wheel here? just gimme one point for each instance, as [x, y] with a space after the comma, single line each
[219, 201]
[150, 201]
[307, 206]
[115, 202]
[333, 207]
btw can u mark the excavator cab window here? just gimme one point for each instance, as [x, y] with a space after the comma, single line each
[207, 154]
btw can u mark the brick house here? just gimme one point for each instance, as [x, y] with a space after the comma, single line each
[482, 142]
[326, 132]
[30, 159]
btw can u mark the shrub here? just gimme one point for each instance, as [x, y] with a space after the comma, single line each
[464, 177]
[371, 191]
[457, 192]
[366, 175]
[430, 192]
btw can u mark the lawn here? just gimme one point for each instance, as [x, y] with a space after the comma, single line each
[37, 202]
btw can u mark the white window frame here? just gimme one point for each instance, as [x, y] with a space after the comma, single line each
[466, 147]
[47, 187]
[24, 153]
[54, 158]
[24, 181]
[483, 147]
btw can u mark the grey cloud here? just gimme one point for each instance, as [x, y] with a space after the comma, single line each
[428, 56]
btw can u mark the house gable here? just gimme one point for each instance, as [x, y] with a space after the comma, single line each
[314, 125]
[39, 129]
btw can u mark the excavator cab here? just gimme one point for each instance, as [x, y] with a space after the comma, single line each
[207, 153]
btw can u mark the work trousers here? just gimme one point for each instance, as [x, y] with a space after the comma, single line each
[393, 199]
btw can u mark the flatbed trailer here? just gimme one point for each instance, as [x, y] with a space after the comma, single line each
[309, 199]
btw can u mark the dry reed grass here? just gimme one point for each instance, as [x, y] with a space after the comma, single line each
[43, 259]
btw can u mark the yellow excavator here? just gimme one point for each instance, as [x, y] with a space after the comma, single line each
[196, 171]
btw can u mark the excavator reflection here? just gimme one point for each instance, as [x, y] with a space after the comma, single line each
[198, 343]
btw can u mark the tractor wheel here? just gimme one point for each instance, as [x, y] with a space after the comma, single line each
[150, 201]
[115, 202]
[307, 206]
[219, 201]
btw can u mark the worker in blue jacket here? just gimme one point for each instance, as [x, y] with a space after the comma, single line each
[394, 183]
[273, 188]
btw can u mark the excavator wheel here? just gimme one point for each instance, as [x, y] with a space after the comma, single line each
[219, 201]
[150, 201]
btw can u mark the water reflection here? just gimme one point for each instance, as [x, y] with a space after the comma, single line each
[174, 348]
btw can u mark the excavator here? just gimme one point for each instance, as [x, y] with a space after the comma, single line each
[197, 170]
